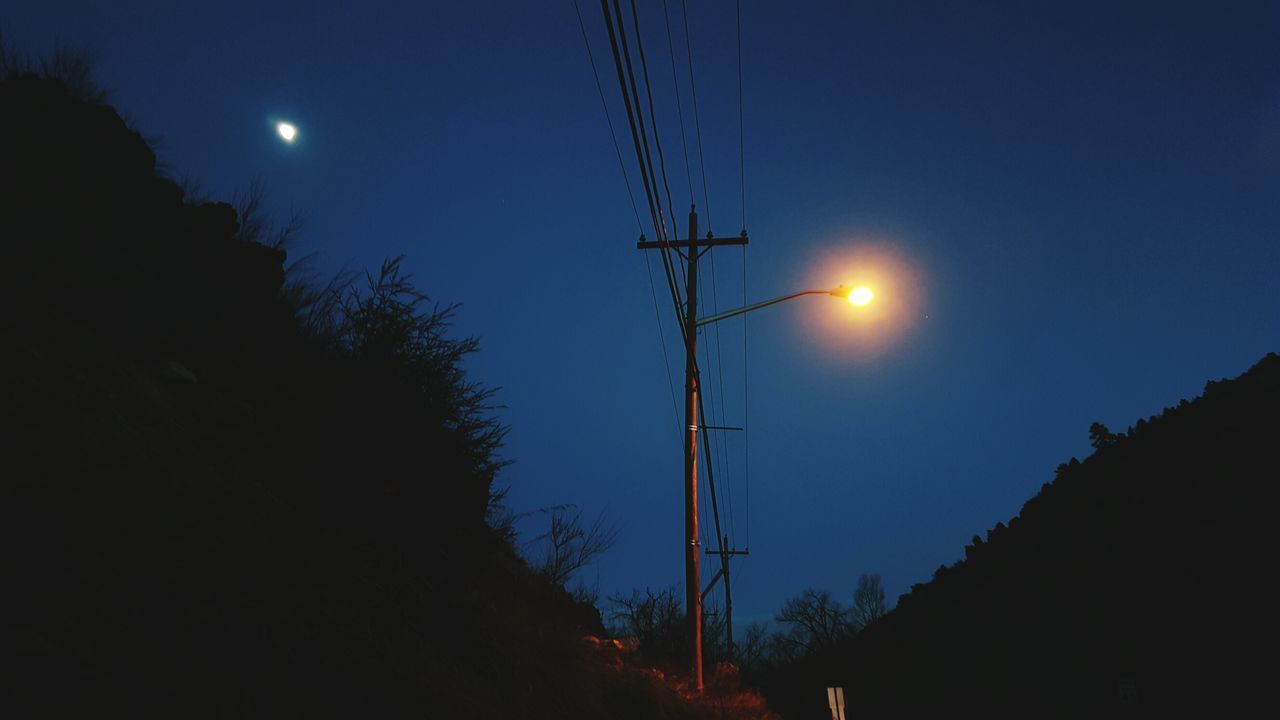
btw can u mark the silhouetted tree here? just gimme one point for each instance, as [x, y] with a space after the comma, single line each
[868, 602]
[568, 545]
[654, 620]
[385, 329]
[255, 225]
[753, 650]
[11, 61]
[714, 626]
[1100, 436]
[72, 66]
[815, 621]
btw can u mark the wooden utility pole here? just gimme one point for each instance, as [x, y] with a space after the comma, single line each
[694, 248]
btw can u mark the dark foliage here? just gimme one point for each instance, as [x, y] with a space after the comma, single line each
[1100, 436]
[1132, 585]
[225, 493]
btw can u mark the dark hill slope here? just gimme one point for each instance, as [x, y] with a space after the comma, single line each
[1141, 573]
[215, 502]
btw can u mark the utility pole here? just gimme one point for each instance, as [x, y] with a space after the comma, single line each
[694, 248]
[726, 553]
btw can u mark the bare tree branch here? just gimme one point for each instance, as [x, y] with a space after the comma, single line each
[868, 602]
[570, 546]
[816, 621]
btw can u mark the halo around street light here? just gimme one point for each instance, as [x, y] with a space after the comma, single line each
[861, 296]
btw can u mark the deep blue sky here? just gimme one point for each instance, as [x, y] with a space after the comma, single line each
[1079, 198]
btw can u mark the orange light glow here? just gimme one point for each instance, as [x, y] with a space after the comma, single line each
[888, 293]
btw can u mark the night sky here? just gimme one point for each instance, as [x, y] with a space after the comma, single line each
[1068, 211]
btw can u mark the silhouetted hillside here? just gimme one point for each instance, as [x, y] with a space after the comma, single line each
[1139, 575]
[225, 496]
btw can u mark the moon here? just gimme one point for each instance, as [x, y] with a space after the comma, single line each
[287, 131]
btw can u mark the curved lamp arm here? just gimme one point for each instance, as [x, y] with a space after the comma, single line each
[840, 292]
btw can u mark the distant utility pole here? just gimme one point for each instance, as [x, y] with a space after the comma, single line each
[725, 553]
[693, 250]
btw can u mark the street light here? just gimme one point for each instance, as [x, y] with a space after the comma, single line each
[856, 296]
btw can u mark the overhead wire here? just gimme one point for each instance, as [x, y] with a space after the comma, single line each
[653, 120]
[697, 123]
[742, 162]
[719, 443]
[688, 335]
[662, 336]
[613, 135]
[746, 410]
[711, 484]
[650, 177]
[720, 452]
[654, 216]
[742, 174]
[715, 301]
[741, 168]
[675, 86]
[640, 141]
[724, 451]
[657, 137]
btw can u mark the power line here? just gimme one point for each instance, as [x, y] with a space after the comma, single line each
[675, 408]
[653, 120]
[634, 208]
[711, 478]
[707, 209]
[654, 216]
[716, 445]
[640, 139]
[724, 453]
[675, 86]
[746, 407]
[641, 143]
[693, 87]
[742, 162]
[609, 119]
[613, 135]
[697, 123]
[720, 446]
[742, 175]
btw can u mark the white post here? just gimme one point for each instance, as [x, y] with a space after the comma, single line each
[835, 700]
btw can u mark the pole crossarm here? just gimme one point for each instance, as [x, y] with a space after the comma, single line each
[838, 292]
[705, 242]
